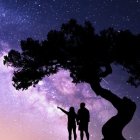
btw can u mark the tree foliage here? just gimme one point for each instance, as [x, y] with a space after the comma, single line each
[77, 48]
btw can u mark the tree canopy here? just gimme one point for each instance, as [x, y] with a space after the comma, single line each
[77, 48]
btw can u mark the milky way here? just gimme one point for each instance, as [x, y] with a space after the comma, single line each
[33, 114]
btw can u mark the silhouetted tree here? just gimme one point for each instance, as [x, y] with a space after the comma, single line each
[87, 55]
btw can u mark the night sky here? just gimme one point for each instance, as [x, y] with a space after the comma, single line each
[33, 114]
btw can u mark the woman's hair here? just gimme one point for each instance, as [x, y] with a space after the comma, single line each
[71, 109]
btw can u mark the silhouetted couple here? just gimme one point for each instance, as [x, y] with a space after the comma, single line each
[82, 118]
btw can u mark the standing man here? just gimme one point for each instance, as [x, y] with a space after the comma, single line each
[83, 117]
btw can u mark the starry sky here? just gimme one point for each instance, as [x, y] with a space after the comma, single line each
[33, 114]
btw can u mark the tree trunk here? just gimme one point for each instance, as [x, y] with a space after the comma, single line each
[112, 129]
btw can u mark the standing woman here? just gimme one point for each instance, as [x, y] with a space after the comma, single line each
[72, 117]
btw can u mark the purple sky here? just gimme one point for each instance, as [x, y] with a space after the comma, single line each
[33, 114]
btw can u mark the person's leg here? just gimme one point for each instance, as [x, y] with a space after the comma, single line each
[87, 134]
[86, 131]
[74, 132]
[69, 130]
[81, 134]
